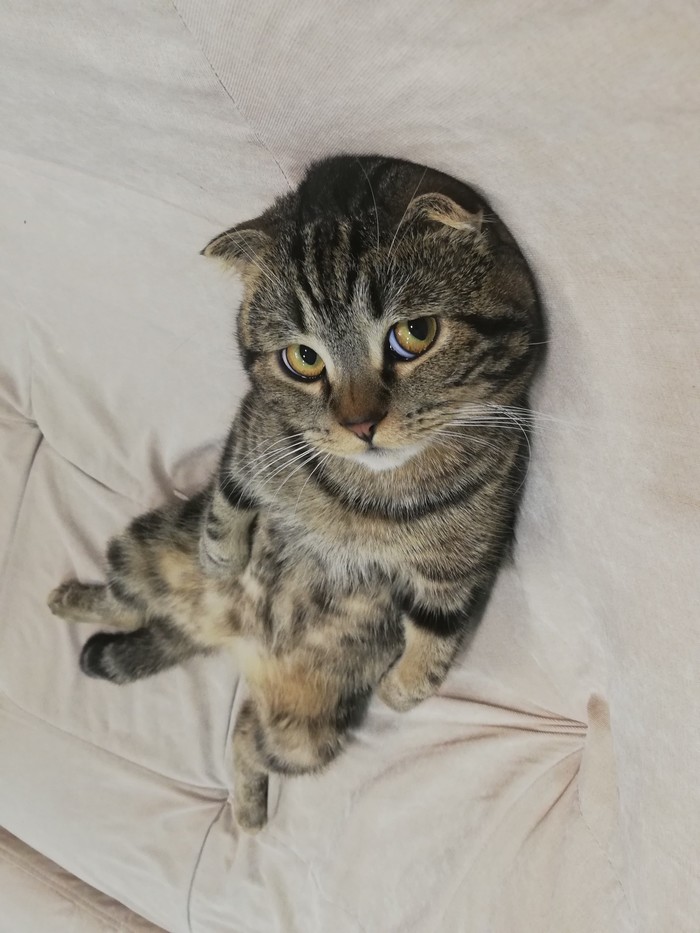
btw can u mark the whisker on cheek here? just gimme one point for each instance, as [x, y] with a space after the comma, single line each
[314, 456]
[318, 466]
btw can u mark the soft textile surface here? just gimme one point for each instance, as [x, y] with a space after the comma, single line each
[37, 894]
[552, 784]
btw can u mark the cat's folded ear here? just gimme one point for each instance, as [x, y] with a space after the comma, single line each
[441, 209]
[240, 246]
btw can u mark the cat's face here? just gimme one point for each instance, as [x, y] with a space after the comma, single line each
[372, 346]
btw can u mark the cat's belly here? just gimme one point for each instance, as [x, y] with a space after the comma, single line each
[291, 611]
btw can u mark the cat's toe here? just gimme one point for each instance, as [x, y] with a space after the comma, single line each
[402, 696]
[251, 815]
[60, 600]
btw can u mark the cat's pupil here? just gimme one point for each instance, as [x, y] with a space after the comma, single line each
[419, 328]
[308, 355]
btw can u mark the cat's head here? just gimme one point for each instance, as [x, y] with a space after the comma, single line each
[384, 304]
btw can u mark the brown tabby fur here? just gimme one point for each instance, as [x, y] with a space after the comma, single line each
[334, 565]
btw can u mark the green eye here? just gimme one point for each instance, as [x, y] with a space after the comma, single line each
[302, 361]
[408, 339]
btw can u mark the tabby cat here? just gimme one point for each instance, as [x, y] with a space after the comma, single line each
[367, 490]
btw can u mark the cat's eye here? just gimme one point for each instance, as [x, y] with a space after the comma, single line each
[408, 339]
[302, 361]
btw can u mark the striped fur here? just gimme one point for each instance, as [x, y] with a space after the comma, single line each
[331, 564]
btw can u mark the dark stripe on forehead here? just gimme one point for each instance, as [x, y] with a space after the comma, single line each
[319, 272]
[325, 243]
[376, 305]
[297, 254]
[296, 310]
[377, 174]
[354, 254]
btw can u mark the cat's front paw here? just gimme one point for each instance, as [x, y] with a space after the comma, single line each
[402, 693]
[219, 562]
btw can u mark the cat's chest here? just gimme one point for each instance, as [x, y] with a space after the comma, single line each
[292, 594]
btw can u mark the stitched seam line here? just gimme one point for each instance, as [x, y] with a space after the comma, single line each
[230, 96]
[603, 849]
[197, 862]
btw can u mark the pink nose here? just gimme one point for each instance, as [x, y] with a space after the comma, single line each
[364, 429]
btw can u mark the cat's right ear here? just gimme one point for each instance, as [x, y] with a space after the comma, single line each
[240, 246]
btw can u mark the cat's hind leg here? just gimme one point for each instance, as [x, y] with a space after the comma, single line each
[126, 656]
[250, 772]
[91, 602]
[293, 729]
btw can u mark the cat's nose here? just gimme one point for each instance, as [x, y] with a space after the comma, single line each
[365, 430]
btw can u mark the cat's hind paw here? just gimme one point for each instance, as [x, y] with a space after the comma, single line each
[95, 660]
[250, 810]
[402, 694]
[64, 599]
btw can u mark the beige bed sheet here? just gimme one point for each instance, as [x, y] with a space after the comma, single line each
[37, 894]
[552, 786]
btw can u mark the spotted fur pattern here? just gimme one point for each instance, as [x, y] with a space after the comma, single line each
[335, 565]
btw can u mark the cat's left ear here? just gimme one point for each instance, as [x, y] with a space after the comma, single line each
[240, 245]
[440, 209]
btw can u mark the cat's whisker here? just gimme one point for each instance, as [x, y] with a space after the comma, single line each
[481, 423]
[314, 456]
[403, 216]
[273, 463]
[318, 466]
[279, 440]
[515, 424]
[274, 448]
[287, 463]
[526, 414]
[469, 437]
[279, 457]
[273, 457]
[529, 454]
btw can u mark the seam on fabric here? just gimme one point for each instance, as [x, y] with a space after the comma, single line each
[19, 421]
[197, 861]
[18, 512]
[27, 332]
[32, 460]
[95, 479]
[230, 96]
[455, 888]
[309, 865]
[602, 848]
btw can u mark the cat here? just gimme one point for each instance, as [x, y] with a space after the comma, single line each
[367, 492]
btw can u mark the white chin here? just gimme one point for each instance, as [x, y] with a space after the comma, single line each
[380, 459]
